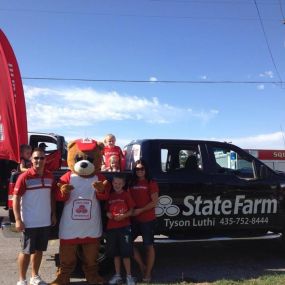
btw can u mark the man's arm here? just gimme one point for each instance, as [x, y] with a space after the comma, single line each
[20, 226]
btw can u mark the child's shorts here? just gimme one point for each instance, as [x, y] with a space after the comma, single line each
[119, 242]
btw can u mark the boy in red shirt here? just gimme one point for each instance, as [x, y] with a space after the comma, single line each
[119, 237]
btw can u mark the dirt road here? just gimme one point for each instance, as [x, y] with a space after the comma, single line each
[195, 262]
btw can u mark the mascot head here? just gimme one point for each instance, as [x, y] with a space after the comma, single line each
[84, 156]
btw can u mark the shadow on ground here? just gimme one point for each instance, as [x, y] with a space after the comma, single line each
[210, 262]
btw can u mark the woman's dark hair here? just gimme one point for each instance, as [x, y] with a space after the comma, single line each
[134, 179]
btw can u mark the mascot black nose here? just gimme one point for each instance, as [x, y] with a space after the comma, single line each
[83, 164]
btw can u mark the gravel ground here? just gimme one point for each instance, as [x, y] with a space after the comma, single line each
[200, 263]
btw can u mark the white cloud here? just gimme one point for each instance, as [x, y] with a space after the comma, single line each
[268, 74]
[153, 79]
[260, 87]
[80, 107]
[205, 116]
[204, 77]
[262, 141]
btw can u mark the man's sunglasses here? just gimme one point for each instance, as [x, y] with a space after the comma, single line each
[39, 158]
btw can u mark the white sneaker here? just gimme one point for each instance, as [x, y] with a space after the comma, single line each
[37, 280]
[130, 280]
[22, 282]
[116, 279]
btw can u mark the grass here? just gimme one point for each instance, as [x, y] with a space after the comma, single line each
[274, 279]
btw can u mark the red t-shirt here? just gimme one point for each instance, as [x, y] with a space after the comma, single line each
[119, 198]
[141, 193]
[35, 192]
[35, 181]
[108, 151]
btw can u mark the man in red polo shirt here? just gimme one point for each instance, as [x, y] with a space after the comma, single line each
[34, 210]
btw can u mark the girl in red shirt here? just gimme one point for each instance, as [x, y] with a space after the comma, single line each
[111, 149]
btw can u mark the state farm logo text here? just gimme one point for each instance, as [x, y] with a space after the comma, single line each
[197, 206]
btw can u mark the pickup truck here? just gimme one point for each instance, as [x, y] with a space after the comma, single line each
[208, 191]
[211, 190]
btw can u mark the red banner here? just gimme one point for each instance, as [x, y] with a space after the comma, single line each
[271, 154]
[13, 119]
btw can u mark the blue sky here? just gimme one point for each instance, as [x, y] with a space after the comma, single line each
[198, 41]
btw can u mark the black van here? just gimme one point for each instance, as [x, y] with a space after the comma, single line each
[211, 190]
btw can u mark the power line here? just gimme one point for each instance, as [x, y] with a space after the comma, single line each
[135, 15]
[281, 9]
[156, 81]
[267, 42]
[214, 2]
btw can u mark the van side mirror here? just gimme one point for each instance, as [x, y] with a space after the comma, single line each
[263, 173]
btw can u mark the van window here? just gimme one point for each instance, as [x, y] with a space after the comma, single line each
[231, 161]
[49, 141]
[50, 147]
[164, 158]
[133, 153]
[176, 158]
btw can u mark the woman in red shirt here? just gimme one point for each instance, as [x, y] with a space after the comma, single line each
[144, 192]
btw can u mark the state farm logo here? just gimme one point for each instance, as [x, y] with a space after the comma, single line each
[81, 209]
[165, 207]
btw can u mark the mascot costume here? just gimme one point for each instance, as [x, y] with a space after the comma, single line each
[81, 188]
